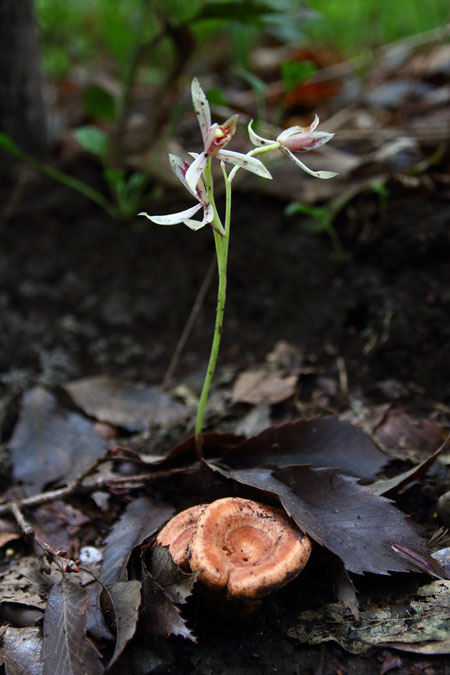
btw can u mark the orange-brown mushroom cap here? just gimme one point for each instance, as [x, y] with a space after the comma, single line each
[248, 548]
[176, 534]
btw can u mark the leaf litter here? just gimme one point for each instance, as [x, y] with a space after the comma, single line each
[66, 649]
[51, 444]
[129, 405]
[419, 622]
[142, 518]
[165, 586]
[311, 466]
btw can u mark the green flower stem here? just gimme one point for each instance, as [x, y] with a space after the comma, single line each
[256, 151]
[222, 244]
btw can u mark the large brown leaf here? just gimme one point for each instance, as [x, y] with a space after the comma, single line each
[323, 441]
[341, 515]
[129, 405]
[66, 649]
[141, 519]
[51, 444]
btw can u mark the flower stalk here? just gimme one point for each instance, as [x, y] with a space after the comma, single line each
[197, 178]
[222, 243]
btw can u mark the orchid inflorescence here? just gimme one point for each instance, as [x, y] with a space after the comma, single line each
[197, 178]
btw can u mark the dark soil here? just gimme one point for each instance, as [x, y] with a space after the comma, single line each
[81, 294]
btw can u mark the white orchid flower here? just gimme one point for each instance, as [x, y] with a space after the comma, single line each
[180, 168]
[297, 139]
[215, 138]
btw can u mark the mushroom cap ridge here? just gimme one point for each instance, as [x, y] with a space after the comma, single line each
[177, 533]
[248, 548]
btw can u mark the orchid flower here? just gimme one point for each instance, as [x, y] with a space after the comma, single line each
[180, 168]
[215, 138]
[297, 139]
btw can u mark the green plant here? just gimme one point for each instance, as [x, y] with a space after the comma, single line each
[321, 221]
[196, 176]
[127, 191]
[360, 25]
[79, 186]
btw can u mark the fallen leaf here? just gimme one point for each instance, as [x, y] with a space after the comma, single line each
[381, 487]
[131, 406]
[322, 442]
[22, 583]
[20, 615]
[20, 651]
[96, 625]
[8, 532]
[141, 519]
[163, 586]
[341, 515]
[414, 625]
[66, 650]
[125, 597]
[407, 438]
[6, 537]
[255, 421]
[263, 386]
[57, 523]
[174, 582]
[51, 444]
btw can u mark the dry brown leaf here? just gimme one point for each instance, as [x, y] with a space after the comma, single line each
[263, 386]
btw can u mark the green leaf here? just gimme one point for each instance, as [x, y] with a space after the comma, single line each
[7, 143]
[115, 177]
[294, 73]
[98, 102]
[297, 207]
[216, 97]
[255, 82]
[93, 140]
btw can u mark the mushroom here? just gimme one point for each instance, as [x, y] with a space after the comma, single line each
[176, 534]
[247, 548]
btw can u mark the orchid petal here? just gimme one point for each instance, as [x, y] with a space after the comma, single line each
[173, 218]
[202, 194]
[194, 224]
[255, 139]
[194, 172]
[244, 162]
[314, 124]
[317, 174]
[201, 107]
[303, 141]
[179, 168]
[208, 215]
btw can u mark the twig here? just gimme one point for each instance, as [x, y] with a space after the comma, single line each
[50, 554]
[76, 487]
[189, 323]
[20, 520]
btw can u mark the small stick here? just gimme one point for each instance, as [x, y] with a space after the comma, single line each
[75, 487]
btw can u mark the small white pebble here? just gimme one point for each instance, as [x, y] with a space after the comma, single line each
[90, 554]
